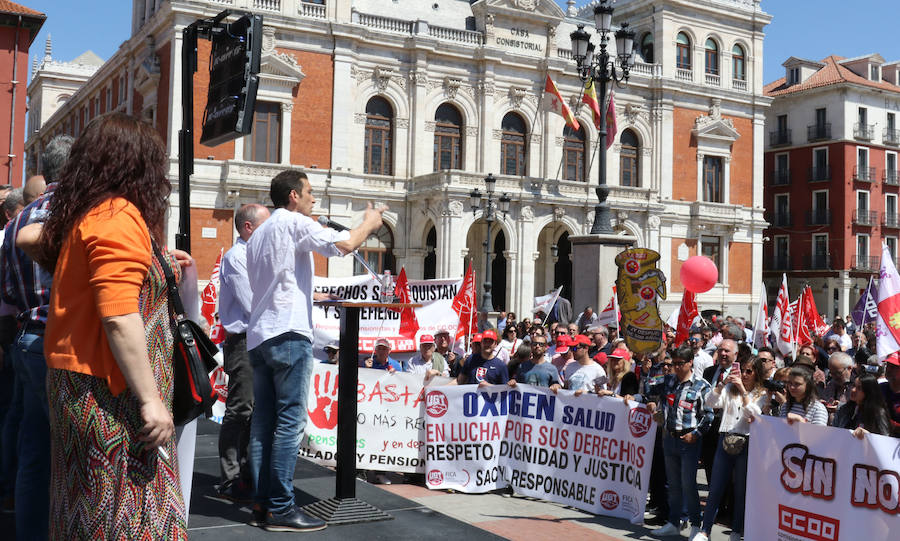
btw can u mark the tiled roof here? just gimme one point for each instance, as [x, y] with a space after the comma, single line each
[11, 7]
[833, 73]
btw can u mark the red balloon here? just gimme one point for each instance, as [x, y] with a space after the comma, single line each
[699, 274]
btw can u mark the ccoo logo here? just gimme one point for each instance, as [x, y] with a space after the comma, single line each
[436, 404]
[639, 420]
[609, 500]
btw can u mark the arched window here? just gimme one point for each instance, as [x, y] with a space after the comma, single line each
[738, 68]
[379, 135]
[647, 48]
[447, 138]
[378, 251]
[683, 51]
[512, 146]
[629, 173]
[574, 152]
[712, 57]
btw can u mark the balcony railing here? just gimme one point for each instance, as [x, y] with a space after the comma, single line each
[891, 177]
[781, 177]
[865, 217]
[891, 137]
[781, 262]
[267, 5]
[866, 263]
[684, 74]
[818, 217]
[818, 132]
[891, 219]
[865, 132]
[782, 219]
[819, 173]
[779, 138]
[864, 174]
[818, 262]
[713, 79]
[738, 84]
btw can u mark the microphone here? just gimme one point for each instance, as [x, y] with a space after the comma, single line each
[334, 225]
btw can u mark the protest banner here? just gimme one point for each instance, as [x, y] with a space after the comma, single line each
[814, 483]
[435, 296]
[589, 452]
[390, 431]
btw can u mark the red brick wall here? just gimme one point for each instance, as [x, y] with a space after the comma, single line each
[225, 151]
[311, 117]
[205, 251]
[7, 111]
[740, 267]
[162, 93]
[742, 164]
[684, 158]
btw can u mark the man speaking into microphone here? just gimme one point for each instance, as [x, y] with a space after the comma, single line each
[279, 340]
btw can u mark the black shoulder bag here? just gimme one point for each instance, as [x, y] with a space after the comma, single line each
[192, 358]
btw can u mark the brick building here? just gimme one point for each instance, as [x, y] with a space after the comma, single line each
[360, 93]
[831, 171]
[18, 27]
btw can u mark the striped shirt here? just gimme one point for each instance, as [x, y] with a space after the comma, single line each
[816, 414]
[685, 403]
[25, 284]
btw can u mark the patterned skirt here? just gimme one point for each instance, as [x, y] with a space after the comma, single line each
[104, 484]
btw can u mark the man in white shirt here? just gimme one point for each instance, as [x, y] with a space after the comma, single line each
[279, 339]
[702, 359]
[583, 375]
[428, 362]
[234, 312]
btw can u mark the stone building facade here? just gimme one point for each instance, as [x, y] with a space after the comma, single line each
[412, 104]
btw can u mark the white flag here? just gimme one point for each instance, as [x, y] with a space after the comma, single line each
[545, 303]
[761, 328]
[781, 320]
[887, 324]
[610, 315]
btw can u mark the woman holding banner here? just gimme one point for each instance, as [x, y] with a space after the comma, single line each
[740, 396]
[865, 412]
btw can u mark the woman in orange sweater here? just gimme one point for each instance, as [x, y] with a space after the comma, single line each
[108, 341]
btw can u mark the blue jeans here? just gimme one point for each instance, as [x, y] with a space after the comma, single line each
[282, 367]
[681, 473]
[722, 467]
[10, 418]
[33, 477]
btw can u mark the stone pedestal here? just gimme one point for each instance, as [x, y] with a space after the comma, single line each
[594, 268]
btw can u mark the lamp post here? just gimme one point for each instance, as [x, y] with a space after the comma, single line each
[601, 68]
[490, 208]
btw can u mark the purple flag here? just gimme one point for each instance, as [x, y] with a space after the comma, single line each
[866, 308]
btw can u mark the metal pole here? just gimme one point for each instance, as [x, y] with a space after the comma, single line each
[602, 222]
[487, 304]
[186, 137]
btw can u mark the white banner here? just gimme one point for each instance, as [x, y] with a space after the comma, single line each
[436, 296]
[588, 452]
[390, 430]
[815, 483]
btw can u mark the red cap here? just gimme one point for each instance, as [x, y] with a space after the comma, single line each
[562, 343]
[581, 339]
[893, 358]
[621, 353]
[476, 338]
[426, 339]
[490, 333]
[600, 358]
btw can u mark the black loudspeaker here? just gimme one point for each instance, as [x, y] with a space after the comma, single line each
[233, 80]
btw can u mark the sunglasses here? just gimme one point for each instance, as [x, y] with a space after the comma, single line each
[748, 371]
[831, 349]
[541, 344]
[678, 363]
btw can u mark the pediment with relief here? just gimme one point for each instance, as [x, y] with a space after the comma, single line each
[714, 127]
[545, 9]
[280, 69]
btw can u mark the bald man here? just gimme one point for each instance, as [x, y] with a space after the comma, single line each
[234, 312]
[34, 188]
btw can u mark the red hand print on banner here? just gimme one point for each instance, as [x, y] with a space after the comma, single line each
[325, 415]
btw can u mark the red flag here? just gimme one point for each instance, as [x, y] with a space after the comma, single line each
[554, 102]
[800, 321]
[464, 305]
[210, 296]
[812, 314]
[409, 324]
[590, 98]
[781, 320]
[611, 127]
[686, 316]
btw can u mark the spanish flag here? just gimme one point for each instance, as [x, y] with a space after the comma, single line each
[553, 101]
[590, 98]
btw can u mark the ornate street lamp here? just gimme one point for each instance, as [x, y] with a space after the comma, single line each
[490, 208]
[601, 68]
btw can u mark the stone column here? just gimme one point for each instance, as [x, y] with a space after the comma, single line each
[593, 262]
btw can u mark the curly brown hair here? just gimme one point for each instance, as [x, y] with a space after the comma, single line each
[118, 155]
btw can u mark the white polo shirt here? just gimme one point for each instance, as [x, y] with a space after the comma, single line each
[280, 256]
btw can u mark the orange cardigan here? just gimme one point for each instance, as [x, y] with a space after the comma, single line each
[102, 264]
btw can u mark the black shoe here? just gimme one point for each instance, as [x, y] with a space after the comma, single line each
[236, 492]
[658, 520]
[293, 521]
[258, 516]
